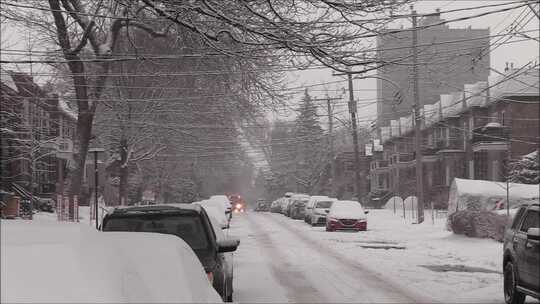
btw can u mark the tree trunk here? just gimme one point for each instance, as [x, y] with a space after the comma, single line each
[124, 171]
[84, 133]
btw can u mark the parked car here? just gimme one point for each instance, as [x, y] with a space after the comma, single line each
[228, 264]
[298, 208]
[191, 223]
[293, 199]
[275, 207]
[284, 205]
[224, 202]
[262, 205]
[346, 215]
[214, 211]
[320, 211]
[309, 206]
[521, 258]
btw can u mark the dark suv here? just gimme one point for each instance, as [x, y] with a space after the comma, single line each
[192, 224]
[521, 262]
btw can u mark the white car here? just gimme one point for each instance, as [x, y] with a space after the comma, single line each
[320, 211]
[346, 215]
[224, 202]
[309, 206]
[215, 212]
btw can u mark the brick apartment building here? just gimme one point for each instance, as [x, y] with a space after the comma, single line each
[465, 134]
[448, 58]
[37, 132]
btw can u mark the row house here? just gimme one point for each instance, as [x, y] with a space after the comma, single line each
[469, 134]
[37, 131]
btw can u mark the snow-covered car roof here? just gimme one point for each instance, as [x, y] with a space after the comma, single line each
[78, 264]
[156, 208]
[347, 209]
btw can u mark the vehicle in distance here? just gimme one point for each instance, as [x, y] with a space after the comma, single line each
[298, 208]
[275, 207]
[521, 258]
[293, 199]
[238, 203]
[262, 205]
[189, 222]
[346, 215]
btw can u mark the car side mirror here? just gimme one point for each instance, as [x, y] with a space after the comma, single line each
[533, 234]
[366, 212]
[228, 245]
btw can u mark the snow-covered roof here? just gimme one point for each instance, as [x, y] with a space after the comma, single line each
[483, 192]
[6, 79]
[493, 125]
[489, 188]
[524, 84]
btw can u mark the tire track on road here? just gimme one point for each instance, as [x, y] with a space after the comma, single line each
[298, 287]
[370, 278]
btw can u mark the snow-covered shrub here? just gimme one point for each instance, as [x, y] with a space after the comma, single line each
[526, 170]
[480, 224]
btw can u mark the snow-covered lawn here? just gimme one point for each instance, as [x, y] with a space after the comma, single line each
[47, 261]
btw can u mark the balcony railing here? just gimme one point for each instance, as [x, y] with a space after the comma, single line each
[489, 134]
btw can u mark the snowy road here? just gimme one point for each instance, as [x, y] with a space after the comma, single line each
[277, 262]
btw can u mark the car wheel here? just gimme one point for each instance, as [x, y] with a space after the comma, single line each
[511, 294]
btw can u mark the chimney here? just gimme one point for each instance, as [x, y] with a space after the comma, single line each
[506, 68]
[511, 65]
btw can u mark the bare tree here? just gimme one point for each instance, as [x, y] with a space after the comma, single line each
[320, 30]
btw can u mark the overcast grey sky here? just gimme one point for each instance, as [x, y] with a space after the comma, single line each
[519, 53]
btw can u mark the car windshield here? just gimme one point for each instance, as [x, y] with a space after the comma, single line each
[187, 227]
[323, 204]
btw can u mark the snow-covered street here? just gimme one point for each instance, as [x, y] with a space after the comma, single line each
[287, 260]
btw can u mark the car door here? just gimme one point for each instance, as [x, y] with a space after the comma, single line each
[528, 251]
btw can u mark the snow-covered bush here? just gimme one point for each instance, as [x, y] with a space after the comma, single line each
[480, 224]
[526, 170]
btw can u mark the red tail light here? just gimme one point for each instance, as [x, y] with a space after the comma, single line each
[210, 276]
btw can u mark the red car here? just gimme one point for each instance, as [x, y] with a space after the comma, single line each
[346, 215]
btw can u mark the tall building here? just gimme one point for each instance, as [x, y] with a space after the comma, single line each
[448, 58]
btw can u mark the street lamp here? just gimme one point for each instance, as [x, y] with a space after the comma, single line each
[96, 180]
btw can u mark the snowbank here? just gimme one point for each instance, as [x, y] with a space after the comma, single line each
[46, 261]
[484, 195]
[394, 201]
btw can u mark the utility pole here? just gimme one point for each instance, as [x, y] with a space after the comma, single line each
[352, 111]
[417, 122]
[331, 145]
